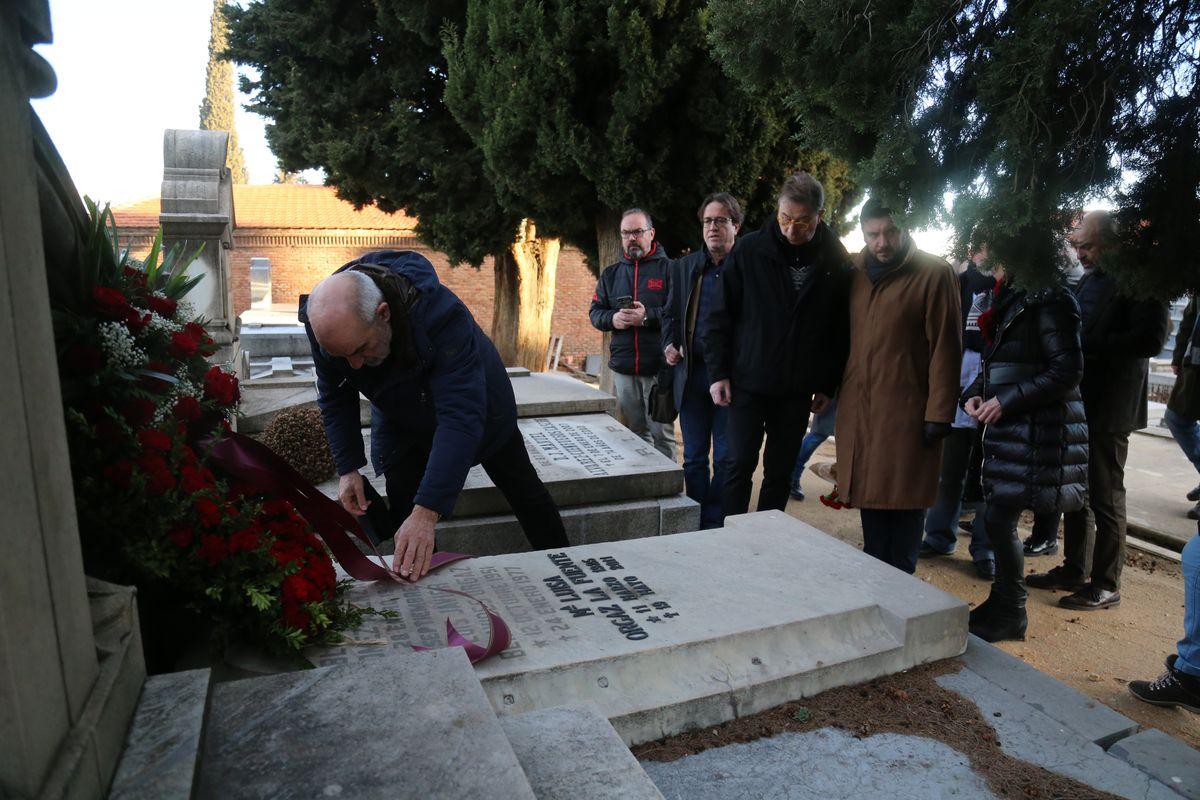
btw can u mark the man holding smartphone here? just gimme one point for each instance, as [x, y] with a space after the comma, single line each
[629, 301]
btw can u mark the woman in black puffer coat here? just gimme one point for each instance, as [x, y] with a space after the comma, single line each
[1035, 444]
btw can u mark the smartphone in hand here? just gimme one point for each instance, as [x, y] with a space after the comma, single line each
[623, 302]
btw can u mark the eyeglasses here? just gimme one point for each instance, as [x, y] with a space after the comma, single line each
[635, 233]
[803, 223]
[715, 222]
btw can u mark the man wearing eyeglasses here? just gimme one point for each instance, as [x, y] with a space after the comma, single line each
[901, 389]
[695, 281]
[777, 339]
[629, 301]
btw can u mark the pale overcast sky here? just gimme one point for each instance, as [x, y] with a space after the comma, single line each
[127, 70]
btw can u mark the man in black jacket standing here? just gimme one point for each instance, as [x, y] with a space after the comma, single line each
[1119, 336]
[694, 284]
[777, 339]
[629, 301]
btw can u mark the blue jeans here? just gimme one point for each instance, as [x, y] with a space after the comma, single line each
[1187, 434]
[820, 430]
[941, 521]
[703, 422]
[1189, 645]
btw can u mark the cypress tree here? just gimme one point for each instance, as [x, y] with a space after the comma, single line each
[216, 111]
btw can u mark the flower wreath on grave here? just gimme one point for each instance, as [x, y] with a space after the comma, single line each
[144, 409]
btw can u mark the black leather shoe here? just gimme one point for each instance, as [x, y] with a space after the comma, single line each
[1090, 598]
[1001, 624]
[1194, 494]
[986, 569]
[966, 526]
[1046, 547]
[1194, 512]
[1056, 578]
[796, 492]
[1171, 689]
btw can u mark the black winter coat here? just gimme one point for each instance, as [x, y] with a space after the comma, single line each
[634, 351]
[767, 338]
[1036, 454]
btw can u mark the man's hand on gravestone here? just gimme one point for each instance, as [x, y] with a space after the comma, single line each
[351, 495]
[721, 392]
[414, 544]
[672, 354]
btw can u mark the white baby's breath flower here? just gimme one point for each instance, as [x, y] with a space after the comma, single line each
[119, 346]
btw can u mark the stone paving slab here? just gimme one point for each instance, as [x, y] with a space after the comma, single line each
[160, 757]
[1084, 715]
[573, 754]
[582, 459]
[412, 725]
[1031, 735]
[1163, 757]
[552, 393]
[829, 764]
[668, 633]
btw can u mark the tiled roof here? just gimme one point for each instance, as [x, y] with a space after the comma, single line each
[281, 205]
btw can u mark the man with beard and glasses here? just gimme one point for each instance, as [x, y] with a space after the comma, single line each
[441, 402]
[629, 301]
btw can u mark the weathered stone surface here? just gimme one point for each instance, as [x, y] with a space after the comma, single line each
[268, 341]
[1030, 735]
[829, 764]
[1162, 757]
[573, 753]
[552, 393]
[582, 459]
[161, 750]
[261, 404]
[1089, 718]
[668, 633]
[410, 725]
[494, 535]
[518, 372]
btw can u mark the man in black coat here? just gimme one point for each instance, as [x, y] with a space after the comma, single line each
[694, 284]
[777, 339]
[1119, 336]
[629, 301]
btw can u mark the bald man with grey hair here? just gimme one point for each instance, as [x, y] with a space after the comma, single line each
[441, 402]
[1120, 334]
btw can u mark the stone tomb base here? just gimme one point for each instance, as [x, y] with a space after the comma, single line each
[669, 633]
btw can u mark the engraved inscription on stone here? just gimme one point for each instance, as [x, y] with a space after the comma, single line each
[590, 445]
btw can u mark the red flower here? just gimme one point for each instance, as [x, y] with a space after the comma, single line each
[298, 589]
[286, 553]
[135, 276]
[294, 616]
[152, 439]
[187, 408]
[184, 345]
[82, 358]
[136, 321]
[119, 473]
[208, 510]
[212, 549]
[163, 306]
[110, 303]
[180, 536]
[276, 508]
[138, 411]
[195, 479]
[244, 540]
[221, 386]
[159, 479]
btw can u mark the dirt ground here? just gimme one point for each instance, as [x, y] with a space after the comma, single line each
[1095, 652]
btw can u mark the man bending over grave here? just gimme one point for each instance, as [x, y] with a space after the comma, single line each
[441, 402]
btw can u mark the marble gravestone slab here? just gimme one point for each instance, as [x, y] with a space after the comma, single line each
[582, 459]
[548, 393]
[669, 633]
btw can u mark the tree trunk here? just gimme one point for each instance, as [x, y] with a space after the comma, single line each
[524, 299]
[608, 245]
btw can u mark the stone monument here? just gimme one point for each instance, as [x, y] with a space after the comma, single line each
[197, 211]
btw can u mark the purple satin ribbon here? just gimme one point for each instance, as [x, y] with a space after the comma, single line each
[250, 461]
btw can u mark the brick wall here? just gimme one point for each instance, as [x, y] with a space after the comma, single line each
[300, 260]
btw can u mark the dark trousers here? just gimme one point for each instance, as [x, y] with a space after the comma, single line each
[784, 420]
[1009, 584]
[1094, 537]
[893, 535]
[703, 423]
[511, 471]
[941, 521]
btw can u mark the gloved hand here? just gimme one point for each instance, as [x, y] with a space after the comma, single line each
[934, 432]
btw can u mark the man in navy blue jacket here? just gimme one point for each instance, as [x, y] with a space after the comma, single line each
[441, 401]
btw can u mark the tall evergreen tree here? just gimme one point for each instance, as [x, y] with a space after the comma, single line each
[355, 88]
[216, 111]
[584, 108]
[1026, 110]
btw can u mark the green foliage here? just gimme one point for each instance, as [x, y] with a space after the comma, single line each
[1027, 111]
[216, 111]
[355, 88]
[584, 108]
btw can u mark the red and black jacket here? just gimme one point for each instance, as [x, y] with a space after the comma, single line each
[634, 351]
